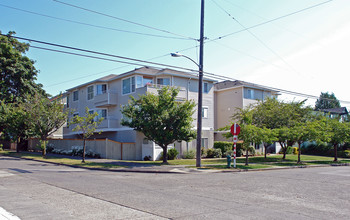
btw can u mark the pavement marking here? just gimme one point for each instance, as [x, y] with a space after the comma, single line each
[5, 174]
[5, 215]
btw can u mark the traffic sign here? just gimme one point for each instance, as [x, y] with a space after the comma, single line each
[235, 129]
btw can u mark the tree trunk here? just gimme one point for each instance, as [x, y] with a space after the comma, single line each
[246, 157]
[265, 146]
[44, 147]
[335, 146]
[165, 154]
[299, 143]
[284, 149]
[17, 148]
[83, 161]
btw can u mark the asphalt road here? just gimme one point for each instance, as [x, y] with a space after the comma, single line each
[34, 190]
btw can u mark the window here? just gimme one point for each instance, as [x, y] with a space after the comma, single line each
[90, 92]
[76, 95]
[139, 82]
[205, 112]
[205, 142]
[101, 89]
[67, 101]
[248, 93]
[147, 81]
[129, 85]
[74, 114]
[102, 113]
[205, 87]
[163, 81]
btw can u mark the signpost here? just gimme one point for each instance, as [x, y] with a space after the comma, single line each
[235, 130]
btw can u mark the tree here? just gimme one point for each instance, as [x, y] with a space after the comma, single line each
[268, 137]
[327, 101]
[161, 118]
[45, 117]
[17, 72]
[339, 132]
[87, 124]
[249, 133]
[14, 119]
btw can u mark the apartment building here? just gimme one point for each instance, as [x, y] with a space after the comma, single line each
[233, 95]
[108, 94]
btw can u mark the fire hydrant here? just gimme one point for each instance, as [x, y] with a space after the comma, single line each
[229, 160]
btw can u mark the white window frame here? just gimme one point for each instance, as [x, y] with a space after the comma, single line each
[73, 98]
[91, 93]
[203, 111]
[102, 91]
[132, 90]
[99, 111]
[163, 80]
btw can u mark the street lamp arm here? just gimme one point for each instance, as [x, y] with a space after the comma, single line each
[181, 55]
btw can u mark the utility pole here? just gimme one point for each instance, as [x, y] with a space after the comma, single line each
[200, 89]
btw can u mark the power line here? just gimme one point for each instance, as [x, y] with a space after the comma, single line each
[192, 72]
[272, 20]
[124, 20]
[256, 37]
[93, 25]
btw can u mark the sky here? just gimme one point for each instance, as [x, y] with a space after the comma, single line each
[294, 45]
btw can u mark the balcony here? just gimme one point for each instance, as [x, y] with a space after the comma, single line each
[109, 123]
[106, 99]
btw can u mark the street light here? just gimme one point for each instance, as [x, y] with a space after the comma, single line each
[200, 86]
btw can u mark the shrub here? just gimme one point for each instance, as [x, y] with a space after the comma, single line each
[191, 154]
[214, 153]
[289, 150]
[347, 153]
[295, 150]
[226, 145]
[147, 158]
[172, 153]
[49, 148]
[223, 145]
[1, 147]
[203, 152]
[228, 152]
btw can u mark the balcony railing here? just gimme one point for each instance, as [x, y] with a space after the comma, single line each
[106, 123]
[106, 99]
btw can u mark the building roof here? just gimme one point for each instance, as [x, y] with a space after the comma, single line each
[144, 70]
[238, 83]
[338, 111]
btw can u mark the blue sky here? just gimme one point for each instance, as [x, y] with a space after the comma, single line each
[306, 52]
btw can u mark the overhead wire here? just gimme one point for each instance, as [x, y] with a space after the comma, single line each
[272, 20]
[93, 25]
[139, 63]
[124, 20]
[257, 38]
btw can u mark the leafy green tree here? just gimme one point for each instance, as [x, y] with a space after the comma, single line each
[161, 118]
[45, 117]
[268, 137]
[339, 133]
[249, 133]
[17, 71]
[87, 124]
[327, 101]
[15, 122]
[282, 137]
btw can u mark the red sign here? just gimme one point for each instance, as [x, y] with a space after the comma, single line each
[235, 129]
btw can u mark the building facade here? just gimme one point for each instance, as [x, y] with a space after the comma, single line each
[108, 94]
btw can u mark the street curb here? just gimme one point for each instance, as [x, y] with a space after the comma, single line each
[197, 170]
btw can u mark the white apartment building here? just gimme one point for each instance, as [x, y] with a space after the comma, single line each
[108, 94]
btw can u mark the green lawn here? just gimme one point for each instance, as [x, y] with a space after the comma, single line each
[257, 162]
